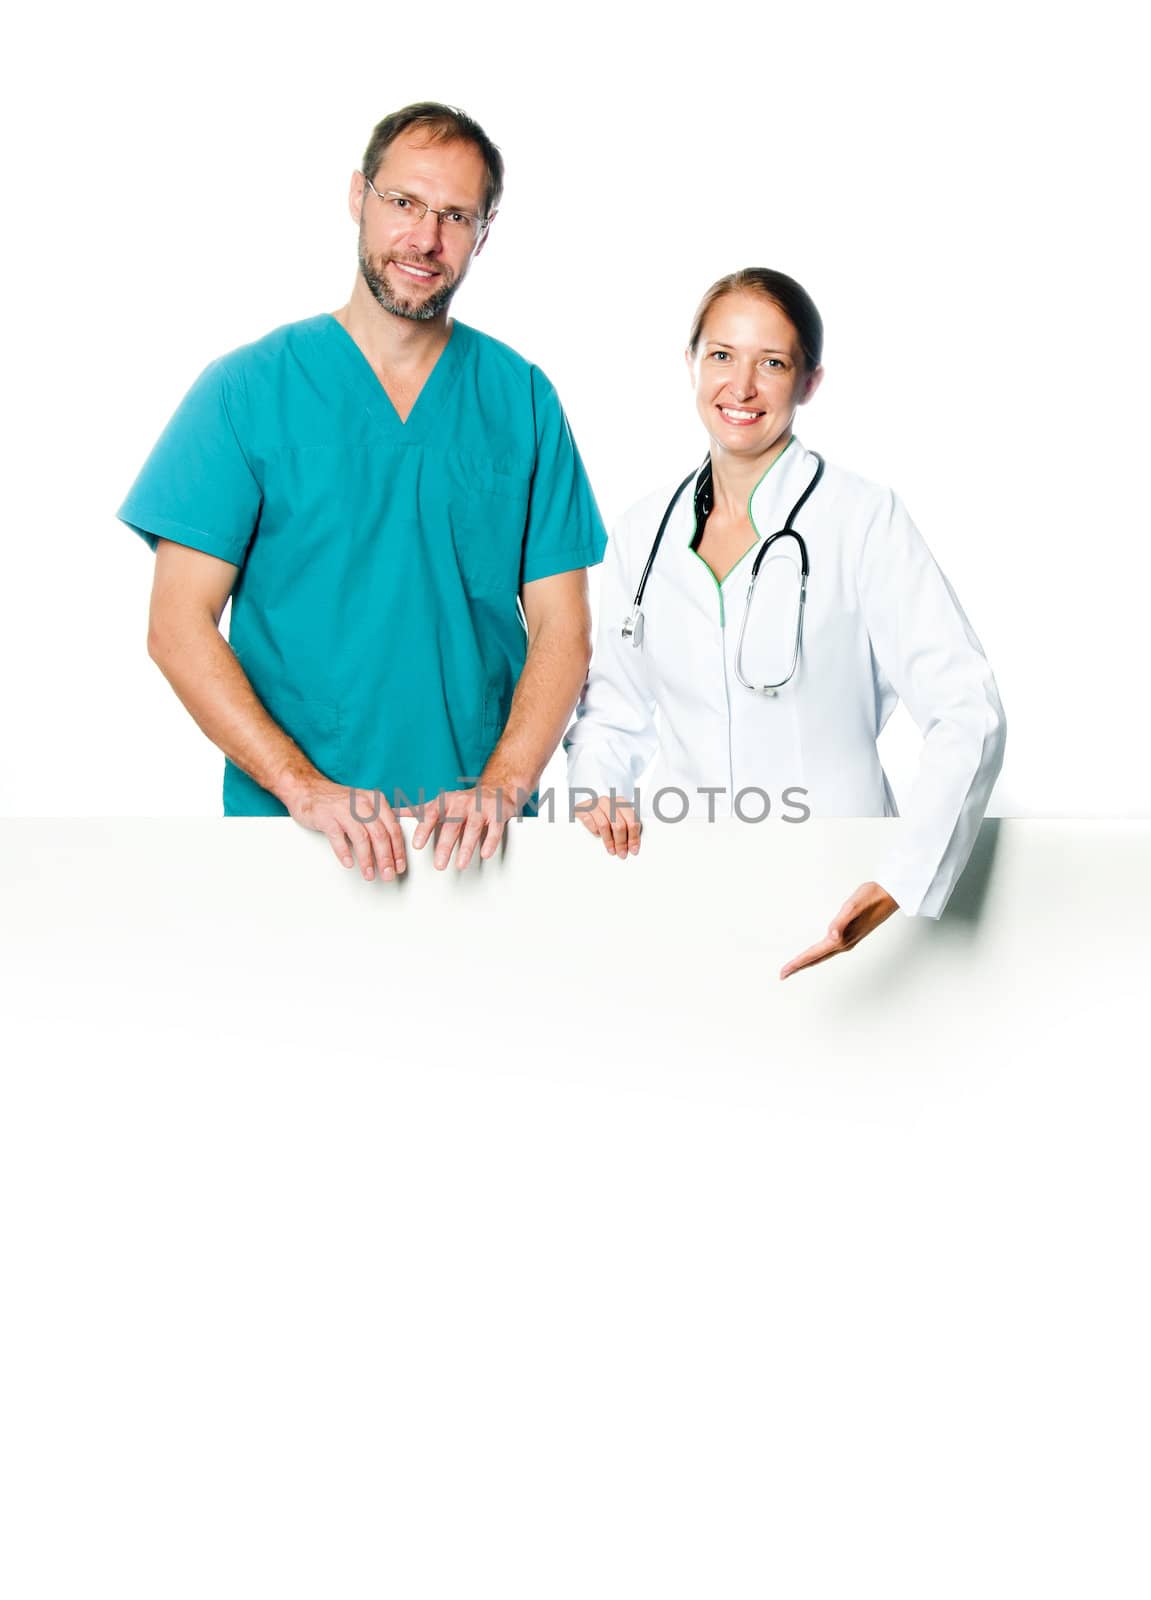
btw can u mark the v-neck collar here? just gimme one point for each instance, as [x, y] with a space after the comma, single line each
[778, 489]
[376, 398]
[771, 486]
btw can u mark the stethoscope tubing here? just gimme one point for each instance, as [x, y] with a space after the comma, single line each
[633, 624]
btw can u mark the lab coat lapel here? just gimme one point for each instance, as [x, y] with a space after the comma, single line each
[779, 489]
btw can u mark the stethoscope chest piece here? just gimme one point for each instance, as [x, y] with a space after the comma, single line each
[633, 626]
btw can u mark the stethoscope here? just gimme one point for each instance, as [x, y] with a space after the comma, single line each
[633, 623]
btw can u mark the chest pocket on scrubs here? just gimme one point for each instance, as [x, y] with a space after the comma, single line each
[489, 533]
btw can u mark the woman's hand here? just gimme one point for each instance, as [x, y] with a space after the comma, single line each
[616, 822]
[868, 907]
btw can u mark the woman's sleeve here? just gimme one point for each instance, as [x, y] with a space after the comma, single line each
[929, 652]
[614, 735]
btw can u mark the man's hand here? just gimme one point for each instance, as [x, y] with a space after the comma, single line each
[466, 816]
[618, 826]
[354, 820]
[868, 907]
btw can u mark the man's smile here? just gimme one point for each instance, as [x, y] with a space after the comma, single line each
[410, 270]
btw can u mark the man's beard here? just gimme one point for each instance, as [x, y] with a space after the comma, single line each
[413, 310]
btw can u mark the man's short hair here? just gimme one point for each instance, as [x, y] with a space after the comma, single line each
[439, 124]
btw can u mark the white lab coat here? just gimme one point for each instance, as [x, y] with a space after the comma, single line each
[881, 624]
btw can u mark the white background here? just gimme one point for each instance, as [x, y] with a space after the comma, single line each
[515, 1233]
[958, 190]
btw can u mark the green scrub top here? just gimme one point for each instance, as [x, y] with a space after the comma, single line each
[376, 610]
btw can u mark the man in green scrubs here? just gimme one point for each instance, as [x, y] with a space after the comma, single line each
[379, 490]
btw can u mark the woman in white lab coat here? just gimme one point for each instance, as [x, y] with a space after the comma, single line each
[880, 624]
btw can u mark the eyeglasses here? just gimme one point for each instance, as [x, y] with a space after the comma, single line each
[456, 224]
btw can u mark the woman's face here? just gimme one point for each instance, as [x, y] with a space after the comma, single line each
[748, 374]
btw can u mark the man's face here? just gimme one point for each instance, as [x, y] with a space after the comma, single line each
[413, 268]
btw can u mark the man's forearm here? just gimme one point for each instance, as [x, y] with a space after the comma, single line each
[202, 668]
[545, 696]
